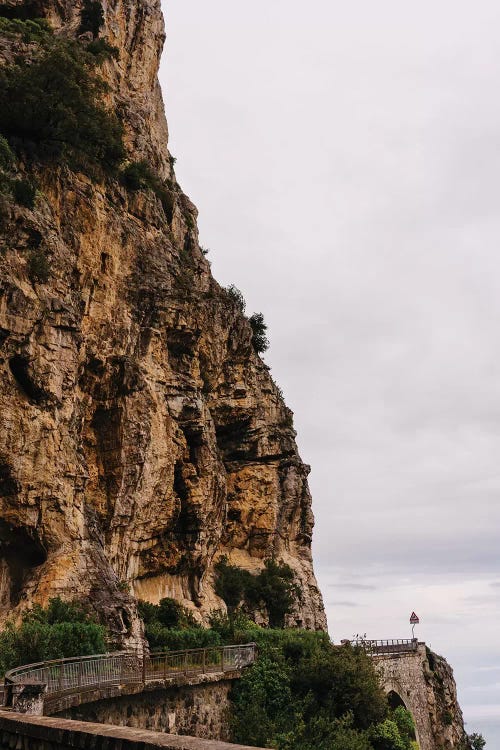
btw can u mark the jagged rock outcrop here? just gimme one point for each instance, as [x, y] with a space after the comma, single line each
[444, 710]
[141, 437]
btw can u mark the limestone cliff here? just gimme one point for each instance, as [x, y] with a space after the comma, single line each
[141, 436]
[445, 714]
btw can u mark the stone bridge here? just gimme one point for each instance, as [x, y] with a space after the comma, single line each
[406, 671]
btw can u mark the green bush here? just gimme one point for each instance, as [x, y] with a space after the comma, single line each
[38, 266]
[476, 741]
[31, 30]
[61, 630]
[139, 175]
[6, 155]
[102, 50]
[169, 626]
[276, 590]
[92, 17]
[305, 694]
[231, 583]
[233, 627]
[272, 588]
[176, 639]
[24, 192]
[260, 341]
[52, 109]
[236, 296]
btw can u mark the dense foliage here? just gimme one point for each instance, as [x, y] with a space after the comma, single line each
[169, 626]
[139, 175]
[302, 693]
[29, 30]
[477, 741]
[272, 589]
[92, 17]
[236, 296]
[60, 630]
[305, 694]
[51, 108]
[260, 342]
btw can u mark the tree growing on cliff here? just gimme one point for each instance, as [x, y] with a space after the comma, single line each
[260, 342]
[273, 589]
[476, 741]
[52, 109]
[92, 17]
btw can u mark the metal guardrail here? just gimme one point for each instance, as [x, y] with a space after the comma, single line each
[391, 646]
[85, 673]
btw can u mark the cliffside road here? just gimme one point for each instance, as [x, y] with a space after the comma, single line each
[51, 687]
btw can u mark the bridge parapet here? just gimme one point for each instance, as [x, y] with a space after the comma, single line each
[48, 687]
[388, 647]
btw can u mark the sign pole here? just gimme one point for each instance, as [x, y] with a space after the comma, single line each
[414, 620]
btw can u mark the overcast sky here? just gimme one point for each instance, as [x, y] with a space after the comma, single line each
[345, 159]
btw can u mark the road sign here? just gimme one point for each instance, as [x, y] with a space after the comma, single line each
[414, 620]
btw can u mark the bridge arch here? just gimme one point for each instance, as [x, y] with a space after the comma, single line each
[394, 699]
[398, 696]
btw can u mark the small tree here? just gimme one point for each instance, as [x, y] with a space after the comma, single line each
[38, 267]
[92, 17]
[260, 342]
[237, 297]
[477, 741]
[24, 192]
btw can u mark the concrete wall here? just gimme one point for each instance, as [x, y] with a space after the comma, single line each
[21, 732]
[201, 710]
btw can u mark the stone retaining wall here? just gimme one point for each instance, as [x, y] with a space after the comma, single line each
[201, 710]
[21, 732]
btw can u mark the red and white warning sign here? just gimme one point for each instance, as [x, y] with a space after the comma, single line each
[414, 620]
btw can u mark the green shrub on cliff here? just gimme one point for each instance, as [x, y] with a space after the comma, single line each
[51, 108]
[30, 30]
[58, 631]
[92, 17]
[260, 342]
[273, 589]
[139, 175]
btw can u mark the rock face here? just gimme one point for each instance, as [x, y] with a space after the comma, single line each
[444, 711]
[141, 437]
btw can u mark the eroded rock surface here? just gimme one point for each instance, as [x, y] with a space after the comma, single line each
[141, 437]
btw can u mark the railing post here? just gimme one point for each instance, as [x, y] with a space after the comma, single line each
[80, 669]
[61, 673]
[185, 663]
[204, 660]
[144, 667]
[165, 659]
[222, 659]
